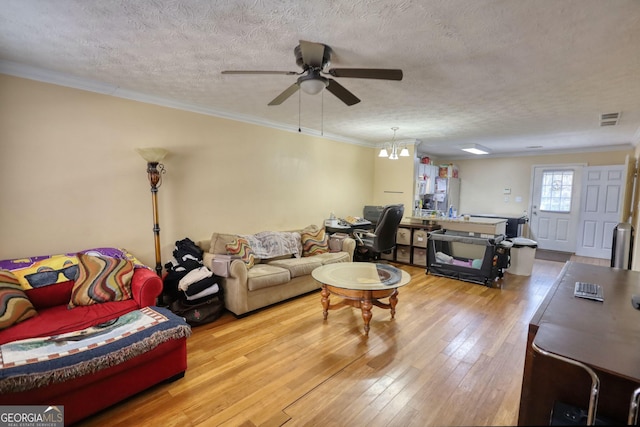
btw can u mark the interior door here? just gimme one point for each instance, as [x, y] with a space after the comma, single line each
[603, 192]
[555, 206]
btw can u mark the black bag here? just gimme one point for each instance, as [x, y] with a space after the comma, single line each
[199, 312]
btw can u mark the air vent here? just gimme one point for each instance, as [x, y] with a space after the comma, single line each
[609, 119]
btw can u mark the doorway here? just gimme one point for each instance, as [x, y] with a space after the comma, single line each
[602, 201]
[575, 208]
[555, 206]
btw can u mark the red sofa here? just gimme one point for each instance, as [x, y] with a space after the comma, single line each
[90, 393]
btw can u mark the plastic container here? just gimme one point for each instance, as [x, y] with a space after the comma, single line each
[523, 252]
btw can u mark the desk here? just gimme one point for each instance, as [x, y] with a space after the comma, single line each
[479, 225]
[348, 229]
[603, 336]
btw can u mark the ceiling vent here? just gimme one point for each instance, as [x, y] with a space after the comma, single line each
[609, 119]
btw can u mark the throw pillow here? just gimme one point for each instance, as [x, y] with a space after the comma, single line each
[314, 241]
[241, 247]
[101, 279]
[14, 304]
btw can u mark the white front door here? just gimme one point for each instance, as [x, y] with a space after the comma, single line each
[602, 197]
[555, 206]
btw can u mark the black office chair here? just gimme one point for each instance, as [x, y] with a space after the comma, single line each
[369, 245]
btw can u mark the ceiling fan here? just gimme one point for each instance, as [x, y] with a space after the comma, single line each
[314, 59]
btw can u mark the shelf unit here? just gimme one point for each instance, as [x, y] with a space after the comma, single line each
[411, 245]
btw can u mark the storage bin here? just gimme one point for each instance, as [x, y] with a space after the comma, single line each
[420, 256]
[403, 254]
[403, 236]
[388, 257]
[420, 238]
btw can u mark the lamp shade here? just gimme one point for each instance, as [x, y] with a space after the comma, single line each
[404, 152]
[152, 155]
[383, 153]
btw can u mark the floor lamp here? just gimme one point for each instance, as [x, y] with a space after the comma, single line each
[155, 169]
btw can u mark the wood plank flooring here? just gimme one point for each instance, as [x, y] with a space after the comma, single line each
[453, 356]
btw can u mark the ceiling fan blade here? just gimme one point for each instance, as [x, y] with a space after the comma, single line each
[286, 94]
[342, 93]
[367, 73]
[287, 73]
[312, 53]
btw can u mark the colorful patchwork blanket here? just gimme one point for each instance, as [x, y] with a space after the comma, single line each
[39, 271]
[37, 362]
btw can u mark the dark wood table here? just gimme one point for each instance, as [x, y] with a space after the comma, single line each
[602, 337]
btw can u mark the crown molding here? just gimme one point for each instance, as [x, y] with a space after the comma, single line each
[62, 79]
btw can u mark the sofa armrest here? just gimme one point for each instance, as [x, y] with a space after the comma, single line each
[146, 286]
[349, 246]
[235, 288]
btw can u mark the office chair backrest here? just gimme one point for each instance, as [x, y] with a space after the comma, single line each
[387, 228]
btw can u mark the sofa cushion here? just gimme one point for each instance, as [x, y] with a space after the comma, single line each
[240, 246]
[60, 320]
[333, 257]
[264, 276]
[314, 241]
[101, 279]
[219, 242]
[49, 296]
[298, 266]
[15, 307]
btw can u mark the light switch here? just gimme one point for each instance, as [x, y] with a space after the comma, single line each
[506, 191]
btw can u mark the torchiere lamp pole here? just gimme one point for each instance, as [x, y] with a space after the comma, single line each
[155, 169]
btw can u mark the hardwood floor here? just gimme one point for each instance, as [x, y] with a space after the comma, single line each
[454, 355]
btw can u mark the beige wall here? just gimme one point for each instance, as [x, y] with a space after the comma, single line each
[394, 181]
[71, 180]
[635, 218]
[484, 180]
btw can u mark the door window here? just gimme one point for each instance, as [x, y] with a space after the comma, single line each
[556, 191]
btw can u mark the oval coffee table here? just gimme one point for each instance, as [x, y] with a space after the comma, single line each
[362, 285]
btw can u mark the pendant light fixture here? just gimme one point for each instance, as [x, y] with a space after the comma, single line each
[393, 147]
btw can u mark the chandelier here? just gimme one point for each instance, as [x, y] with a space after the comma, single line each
[393, 147]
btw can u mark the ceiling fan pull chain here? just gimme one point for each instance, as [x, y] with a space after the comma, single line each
[299, 108]
[322, 114]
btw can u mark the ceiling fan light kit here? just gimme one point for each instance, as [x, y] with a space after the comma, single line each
[313, 83]
[314, 59]
[475, 149]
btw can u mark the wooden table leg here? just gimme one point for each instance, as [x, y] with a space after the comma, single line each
[393, 300]
[325, 301]
[366, 306]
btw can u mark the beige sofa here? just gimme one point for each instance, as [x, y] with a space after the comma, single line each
[270, 280]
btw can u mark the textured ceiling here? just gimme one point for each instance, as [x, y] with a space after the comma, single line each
[504, 74]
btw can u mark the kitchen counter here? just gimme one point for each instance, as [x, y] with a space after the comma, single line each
[473, 225]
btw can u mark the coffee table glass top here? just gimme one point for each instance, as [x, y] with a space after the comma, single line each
[361, 276]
